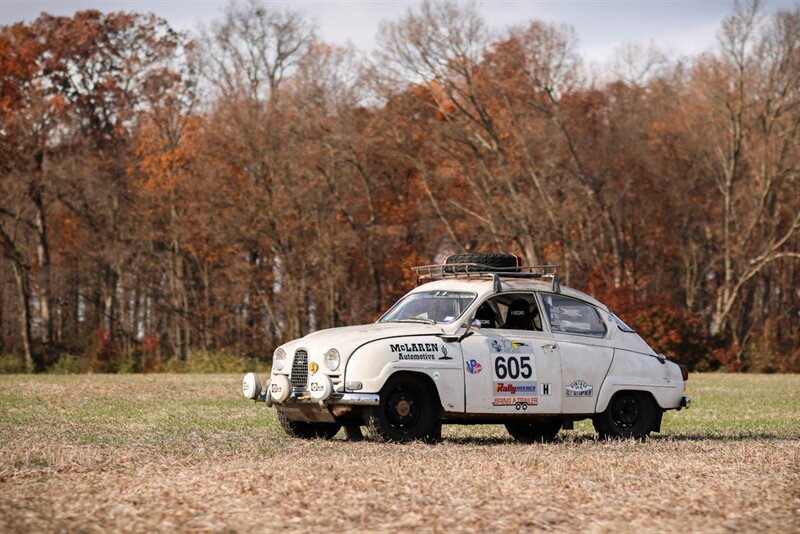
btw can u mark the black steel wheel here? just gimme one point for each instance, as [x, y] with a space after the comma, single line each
[630, 414]
[541, 431]
[303, 430]
[407, 412]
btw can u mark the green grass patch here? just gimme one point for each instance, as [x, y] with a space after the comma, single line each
[184, 413]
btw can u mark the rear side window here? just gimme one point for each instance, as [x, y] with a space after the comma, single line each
[573, 316]
[622, 325]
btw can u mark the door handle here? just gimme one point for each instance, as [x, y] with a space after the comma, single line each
[551, 346]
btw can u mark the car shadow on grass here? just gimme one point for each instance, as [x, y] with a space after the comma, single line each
[655, 438]
[739, 436]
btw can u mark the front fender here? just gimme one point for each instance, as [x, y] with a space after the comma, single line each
[373, 363]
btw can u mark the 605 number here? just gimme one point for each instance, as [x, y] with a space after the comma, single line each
[512, 367]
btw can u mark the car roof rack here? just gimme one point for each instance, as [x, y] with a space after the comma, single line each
[443, 271]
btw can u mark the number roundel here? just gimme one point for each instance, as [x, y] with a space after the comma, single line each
[512, 367]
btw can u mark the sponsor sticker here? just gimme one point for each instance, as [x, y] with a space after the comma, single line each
[506, 345]
[519, 403]
[474, 367]
[502, 389]
[417, 351]
[578, 388]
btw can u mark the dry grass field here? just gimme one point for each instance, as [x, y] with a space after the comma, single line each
[147, 453]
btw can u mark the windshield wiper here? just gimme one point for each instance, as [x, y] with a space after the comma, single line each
[414, 320]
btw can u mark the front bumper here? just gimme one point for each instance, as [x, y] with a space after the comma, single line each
[303, 397]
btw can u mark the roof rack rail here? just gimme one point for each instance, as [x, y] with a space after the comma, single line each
[477, 270]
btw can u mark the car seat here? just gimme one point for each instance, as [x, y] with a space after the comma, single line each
[519, 316]
[486, 316]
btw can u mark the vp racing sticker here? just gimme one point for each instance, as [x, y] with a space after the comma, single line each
[474, 367]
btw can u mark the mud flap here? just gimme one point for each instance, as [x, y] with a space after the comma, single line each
[657, 422]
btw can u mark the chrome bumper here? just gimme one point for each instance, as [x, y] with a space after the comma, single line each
[356, 399]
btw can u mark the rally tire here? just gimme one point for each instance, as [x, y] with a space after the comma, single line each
[629, 415]
[303, 430]
[408, 411]
[506, 262]
[542, 431]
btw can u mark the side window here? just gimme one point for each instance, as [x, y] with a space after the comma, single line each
[573, 316]
[515, 311]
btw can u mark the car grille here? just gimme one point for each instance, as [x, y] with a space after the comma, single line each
[300, 370]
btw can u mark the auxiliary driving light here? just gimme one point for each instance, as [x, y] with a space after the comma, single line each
[320, 387]
[313, 367]
[251, 386]
[280, 388]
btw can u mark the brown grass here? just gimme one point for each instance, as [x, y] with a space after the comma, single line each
[146, 453]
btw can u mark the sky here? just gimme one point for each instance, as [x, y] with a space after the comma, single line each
[679, 27]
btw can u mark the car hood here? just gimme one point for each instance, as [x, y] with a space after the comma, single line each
[347, 339]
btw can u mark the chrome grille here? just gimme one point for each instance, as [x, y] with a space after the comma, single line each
[300, 370]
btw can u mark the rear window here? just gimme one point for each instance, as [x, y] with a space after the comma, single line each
[572, 316]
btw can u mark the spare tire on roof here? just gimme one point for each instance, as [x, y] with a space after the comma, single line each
[490, 261]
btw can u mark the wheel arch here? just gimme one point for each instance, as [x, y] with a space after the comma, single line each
[608, 393]
[422, 377]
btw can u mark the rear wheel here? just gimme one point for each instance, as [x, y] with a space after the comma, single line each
[303, 430]
[630, 414]
[407, 412]
[542, 431]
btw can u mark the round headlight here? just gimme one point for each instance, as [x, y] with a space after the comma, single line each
[278, 359]
[332, 359]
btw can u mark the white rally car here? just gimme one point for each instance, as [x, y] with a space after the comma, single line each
[484, 340]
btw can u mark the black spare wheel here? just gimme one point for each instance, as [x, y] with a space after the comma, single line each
[489, 261]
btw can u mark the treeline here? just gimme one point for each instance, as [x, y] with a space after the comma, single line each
[163, 193]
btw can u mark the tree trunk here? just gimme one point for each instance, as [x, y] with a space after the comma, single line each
[2, 323]
[21, 275]
[43, 255]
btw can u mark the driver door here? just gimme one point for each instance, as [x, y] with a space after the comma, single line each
[510, 368]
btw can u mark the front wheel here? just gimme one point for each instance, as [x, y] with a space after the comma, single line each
[407, 412]
[534, 432]
[630, 414]
[302, 430]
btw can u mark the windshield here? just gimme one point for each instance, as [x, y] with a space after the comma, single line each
[429, 307]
